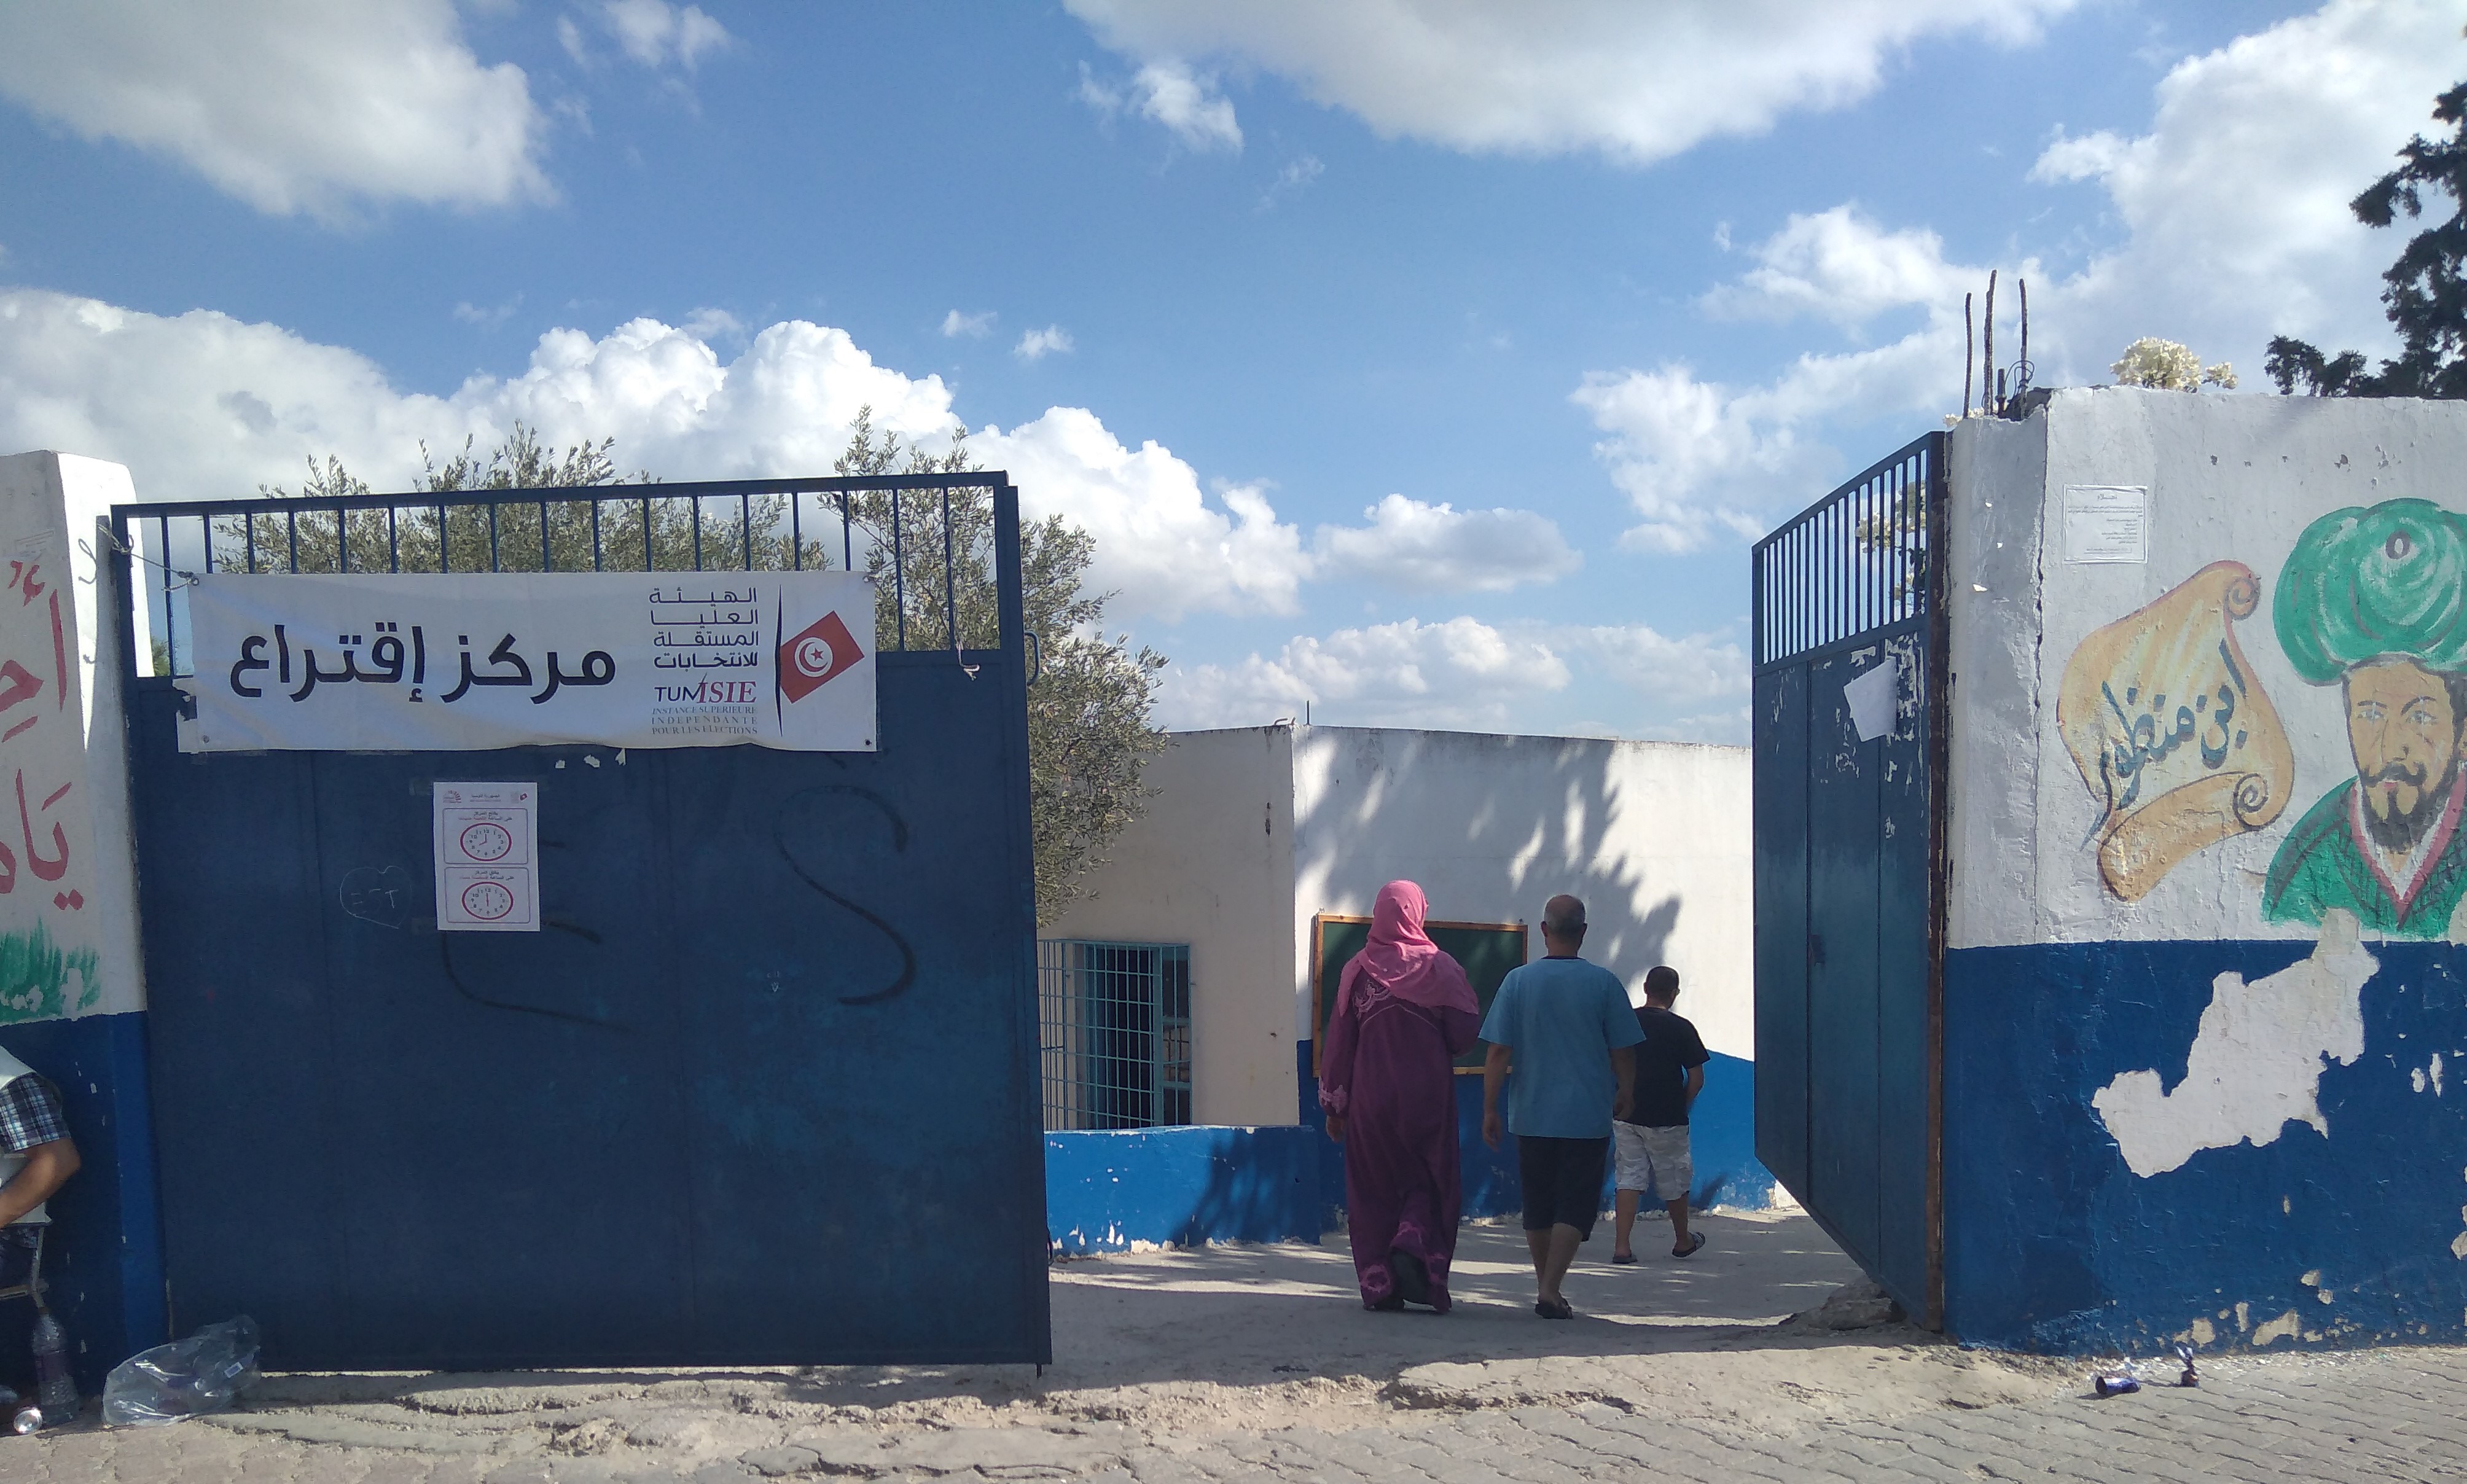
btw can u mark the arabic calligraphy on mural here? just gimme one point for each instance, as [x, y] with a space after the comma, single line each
[2173, 738]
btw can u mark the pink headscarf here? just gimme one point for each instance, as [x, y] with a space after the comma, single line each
[1401, 960]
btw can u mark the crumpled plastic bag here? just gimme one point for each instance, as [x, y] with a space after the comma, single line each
[199, 1374]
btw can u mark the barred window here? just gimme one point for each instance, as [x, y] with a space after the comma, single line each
[1114, 1033]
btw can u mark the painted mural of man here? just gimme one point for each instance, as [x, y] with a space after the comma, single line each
[2376, 600]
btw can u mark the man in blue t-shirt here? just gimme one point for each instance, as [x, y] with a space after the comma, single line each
[1568, 1023]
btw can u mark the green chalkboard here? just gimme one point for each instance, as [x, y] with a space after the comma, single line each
[1487, 949]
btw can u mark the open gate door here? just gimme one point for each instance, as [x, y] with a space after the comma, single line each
[1848, 737]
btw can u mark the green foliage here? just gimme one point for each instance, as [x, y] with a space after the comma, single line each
[656, 533]
[1088, 732]
[2425, 293]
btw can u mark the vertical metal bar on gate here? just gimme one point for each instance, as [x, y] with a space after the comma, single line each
[950, 576]
[1937, 515]
[898, 571]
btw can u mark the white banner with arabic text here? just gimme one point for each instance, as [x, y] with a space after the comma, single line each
[368, 662]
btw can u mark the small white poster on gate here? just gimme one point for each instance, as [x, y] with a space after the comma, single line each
[487, 857]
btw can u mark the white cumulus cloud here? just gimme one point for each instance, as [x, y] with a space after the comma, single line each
[1160, 542]
[1466, 673]
[1462, 673]
[955, 323]
[202, 405]
[2236, 201]
[1420, 547]
[291, 105]
[1634, 81]
[658, 35]
[1842, 266]
[1168, 92]
[2234, 207]
[1038, 344]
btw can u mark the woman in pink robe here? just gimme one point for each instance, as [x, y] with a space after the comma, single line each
[1387, 1082]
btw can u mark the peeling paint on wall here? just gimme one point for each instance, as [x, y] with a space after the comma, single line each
[2255, 1063]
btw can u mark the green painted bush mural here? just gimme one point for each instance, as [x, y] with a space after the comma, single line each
[39, 979]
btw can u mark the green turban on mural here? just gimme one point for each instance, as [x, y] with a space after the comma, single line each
[2363, 584]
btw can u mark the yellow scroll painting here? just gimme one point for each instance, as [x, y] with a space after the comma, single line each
[2170, 731]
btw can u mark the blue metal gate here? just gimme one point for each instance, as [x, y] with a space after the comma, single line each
[1849, 881]
[767, 1090]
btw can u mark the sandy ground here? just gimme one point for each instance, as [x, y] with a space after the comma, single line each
[1170, 1350]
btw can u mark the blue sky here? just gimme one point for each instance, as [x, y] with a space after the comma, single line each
[1427, 369]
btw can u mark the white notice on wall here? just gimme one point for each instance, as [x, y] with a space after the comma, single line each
[2106, 522]
[487, 857]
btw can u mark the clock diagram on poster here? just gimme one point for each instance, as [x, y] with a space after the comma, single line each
[487, 857]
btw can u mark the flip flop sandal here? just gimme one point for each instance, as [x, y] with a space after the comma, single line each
[1565, 1310]
[1695, 1243]
[1622, 1259]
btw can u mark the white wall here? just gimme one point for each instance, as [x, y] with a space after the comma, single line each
[1210, 863]
[49, 504]
[1654, 836]
[2229, 479]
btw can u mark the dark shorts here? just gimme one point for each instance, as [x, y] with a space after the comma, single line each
[17, 1255]
[1562, 1179]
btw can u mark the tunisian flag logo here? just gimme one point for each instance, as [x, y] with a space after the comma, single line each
[825, 649]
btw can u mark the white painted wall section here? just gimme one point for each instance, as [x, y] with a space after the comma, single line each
[1210, 863]
[54, 509]
[1654, 836]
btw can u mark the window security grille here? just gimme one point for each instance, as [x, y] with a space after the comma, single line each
[1114, 1033]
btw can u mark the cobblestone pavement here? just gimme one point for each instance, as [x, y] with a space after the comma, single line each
[1239, 1365]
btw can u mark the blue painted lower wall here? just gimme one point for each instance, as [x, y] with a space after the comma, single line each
[2052, 1244]
[1105, 1191]
[102, 1258]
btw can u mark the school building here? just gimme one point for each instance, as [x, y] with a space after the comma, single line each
[1180, 997]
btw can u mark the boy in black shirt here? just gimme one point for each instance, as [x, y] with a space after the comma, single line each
[1652, 1139]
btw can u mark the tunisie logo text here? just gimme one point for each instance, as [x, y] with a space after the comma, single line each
[823, 650]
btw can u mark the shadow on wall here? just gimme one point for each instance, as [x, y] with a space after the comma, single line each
[1108, 1191]
[1491, 827]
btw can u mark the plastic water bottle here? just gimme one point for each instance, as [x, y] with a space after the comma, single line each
[53, 1387]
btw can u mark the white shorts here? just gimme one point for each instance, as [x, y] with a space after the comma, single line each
[1654, 1159]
